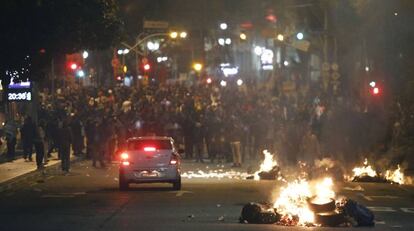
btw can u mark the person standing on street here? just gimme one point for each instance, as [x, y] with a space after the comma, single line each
[98, 141]
[28, 132]
[10, 129]
[39, 146]
[65, 140]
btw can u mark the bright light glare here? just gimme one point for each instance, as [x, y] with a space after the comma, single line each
[286, 63]
[258, 50]
[73, 66]
[152, 46]
[124, 156]
[243, 36]
[223, 83]
[149, 149]
[228, 41]
[280, 37]
[126, 51]
[239, 82]
[125, 163]
[299, 35]
[85, 54]
[366, 68]
[81, 73]
[221, 41]
[372, 83]
[227, 71]
[198, 66]
[173, 34]
[376, 90]
[120, 52]
[223, 26]
[183, 34]
[209, 80]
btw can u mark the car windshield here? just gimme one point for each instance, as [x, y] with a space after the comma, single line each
[149, 144]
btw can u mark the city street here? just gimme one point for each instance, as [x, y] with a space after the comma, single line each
[88, 199]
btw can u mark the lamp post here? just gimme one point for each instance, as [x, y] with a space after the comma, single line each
[139, 41]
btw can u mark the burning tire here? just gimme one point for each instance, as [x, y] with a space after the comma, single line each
[331, 219]
[318, 207]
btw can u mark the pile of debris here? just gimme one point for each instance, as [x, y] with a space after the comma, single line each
[269, 169]
[344, 213]
[303, 204]
[367, 174]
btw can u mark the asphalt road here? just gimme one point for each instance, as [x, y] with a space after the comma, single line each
[88, 199]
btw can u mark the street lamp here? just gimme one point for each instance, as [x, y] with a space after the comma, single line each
[243, 36]
[228, 41]
[299, 35]
[221, 41]
[173, 34]
[85, 54]
[197, 67]
[223, 26]
[280, 37]
[183, 34]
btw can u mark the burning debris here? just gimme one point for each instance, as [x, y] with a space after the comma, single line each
[367, 174]
[395, 176]
[269, 169]
[303, 204]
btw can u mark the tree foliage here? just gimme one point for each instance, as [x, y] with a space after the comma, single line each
[42, 29]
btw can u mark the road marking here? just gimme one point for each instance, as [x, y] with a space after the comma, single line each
[408, 210]
[382, 209]
[181, 193]
[365, 197]
[380, 222]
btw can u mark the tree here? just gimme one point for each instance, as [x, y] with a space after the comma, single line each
[35, 31]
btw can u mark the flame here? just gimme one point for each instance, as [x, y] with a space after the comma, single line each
[267, 165]
[364, 170]
[292, 202]
[395, 176]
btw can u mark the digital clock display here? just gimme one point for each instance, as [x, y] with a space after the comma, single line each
[22, 94]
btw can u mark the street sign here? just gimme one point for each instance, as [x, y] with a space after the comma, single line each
[155, 24]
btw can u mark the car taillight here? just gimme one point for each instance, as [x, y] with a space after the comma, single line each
[149, 149]
[125, 163]
[174, 160]
[124, 156]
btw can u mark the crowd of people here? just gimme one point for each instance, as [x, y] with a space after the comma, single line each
[207, 121]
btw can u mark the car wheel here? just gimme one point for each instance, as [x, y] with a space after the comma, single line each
[177, 184]
[123, 184]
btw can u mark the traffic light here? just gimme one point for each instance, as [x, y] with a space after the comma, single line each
[147, 67]
[374, 88]
[73, 66]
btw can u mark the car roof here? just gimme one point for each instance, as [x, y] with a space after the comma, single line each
[151, 138]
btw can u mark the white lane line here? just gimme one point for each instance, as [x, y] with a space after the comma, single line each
[382, 209]
[407, 210]
[380, 222]
[181, 193]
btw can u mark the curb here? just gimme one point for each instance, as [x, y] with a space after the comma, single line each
[7, 185]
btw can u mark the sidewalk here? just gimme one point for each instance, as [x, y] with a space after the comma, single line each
[11, 172]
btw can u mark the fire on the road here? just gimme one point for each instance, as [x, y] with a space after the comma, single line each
[267, 165]
[292, 202]
[395, 176]
[365, 170]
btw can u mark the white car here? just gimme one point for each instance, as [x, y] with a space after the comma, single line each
[150, 159]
